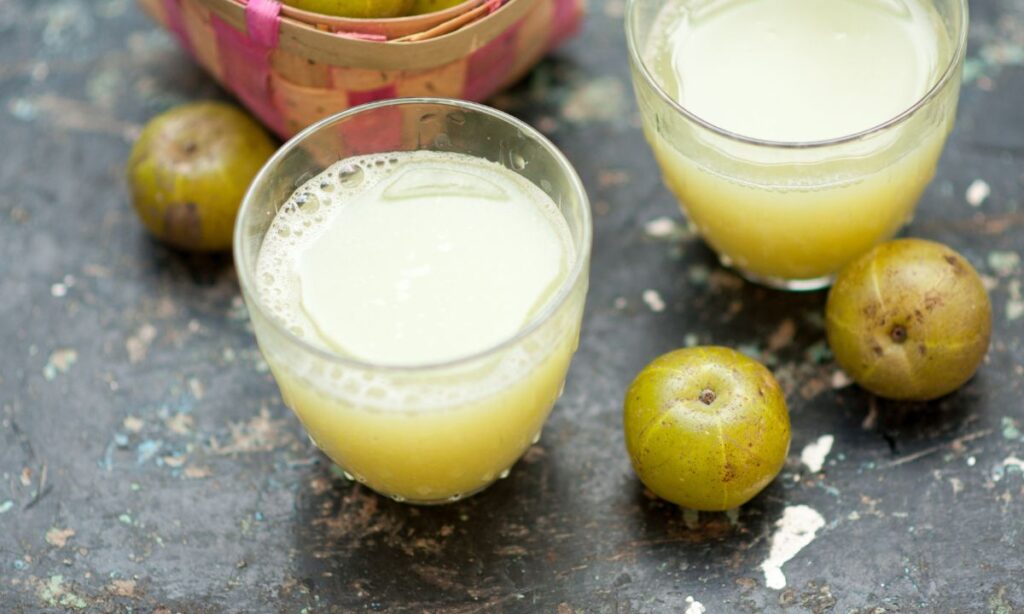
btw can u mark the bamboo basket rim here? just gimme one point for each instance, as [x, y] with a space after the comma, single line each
[323, 46]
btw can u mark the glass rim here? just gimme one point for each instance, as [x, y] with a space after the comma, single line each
[565, 289]
[637, 60]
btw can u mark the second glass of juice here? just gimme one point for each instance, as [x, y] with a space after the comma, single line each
[796, 134]
[416, 271]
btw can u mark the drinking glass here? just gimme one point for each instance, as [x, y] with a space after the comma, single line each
[791, 214]
[437, 432]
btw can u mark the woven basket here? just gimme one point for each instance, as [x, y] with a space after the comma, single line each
[291, 73]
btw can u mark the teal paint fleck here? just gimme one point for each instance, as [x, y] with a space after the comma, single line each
[819, 353]
[815, 319]
[60, 361]
[6, 506]
[1010, 430]
[125, 519]
[973, 68]
[1003, 54]
[338, 472]
[750, 349]
[1003, 263]
[699, 274]
[22, 110]
[147, 450]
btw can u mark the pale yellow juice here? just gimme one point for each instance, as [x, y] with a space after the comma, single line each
[406, 266]
[796, 71]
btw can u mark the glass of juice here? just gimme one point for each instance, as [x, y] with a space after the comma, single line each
[796, 134]
[415, 271]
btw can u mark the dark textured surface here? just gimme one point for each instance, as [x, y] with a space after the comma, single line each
[147, 461]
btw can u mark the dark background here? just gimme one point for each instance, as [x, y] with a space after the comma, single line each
[146, 460]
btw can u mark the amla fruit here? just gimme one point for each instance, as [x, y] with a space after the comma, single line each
[909, 320]
[360, 9]
[190, 169]
[421, 7]
[706, 428]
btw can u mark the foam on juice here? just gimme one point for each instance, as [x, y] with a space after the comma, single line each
[413, 258]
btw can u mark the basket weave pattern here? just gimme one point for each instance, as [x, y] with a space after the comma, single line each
[291, 74]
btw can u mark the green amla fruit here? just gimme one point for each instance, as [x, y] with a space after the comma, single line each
[189, 170]
[421, 7]
[909, 320]
[706, 428]
[359, 9]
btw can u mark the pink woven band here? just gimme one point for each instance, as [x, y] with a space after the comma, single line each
[263, 21]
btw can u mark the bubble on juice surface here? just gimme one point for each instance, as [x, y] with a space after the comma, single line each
[518, 162]
[308, 202]
[350, 175]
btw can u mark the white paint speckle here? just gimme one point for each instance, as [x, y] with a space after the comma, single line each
[977, 192]
[58, 290]
[814, 453]
[691, 518]
[871, 419]
[840, 379]
[654, 301]
[971, 461]
[1014, 304]
[661, 228]
[137, 345]
[958, 486]
[694, 607]
[196, 388]
[797, 528]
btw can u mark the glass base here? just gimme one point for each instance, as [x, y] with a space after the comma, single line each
[436, 502]
[425, 502]
[778, 283]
